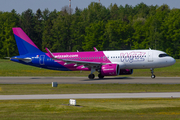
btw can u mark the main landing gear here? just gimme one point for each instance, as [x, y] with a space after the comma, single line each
[92, 76]
[152, 71]
[100, 76]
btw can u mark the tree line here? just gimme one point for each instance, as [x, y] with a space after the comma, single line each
[113, 28]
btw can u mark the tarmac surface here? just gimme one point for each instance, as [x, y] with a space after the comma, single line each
[92, 96]
[85, 80]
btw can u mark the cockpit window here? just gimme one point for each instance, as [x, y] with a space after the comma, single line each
[163, 55]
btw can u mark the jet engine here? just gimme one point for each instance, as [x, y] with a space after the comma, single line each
[126, 71]
[110, 70]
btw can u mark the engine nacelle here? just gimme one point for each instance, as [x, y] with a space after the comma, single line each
[126, 71]
[110, 70]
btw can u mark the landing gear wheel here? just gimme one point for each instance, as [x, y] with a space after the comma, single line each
[100, 76]
[152, 71]
[91, 76]
[153, 76]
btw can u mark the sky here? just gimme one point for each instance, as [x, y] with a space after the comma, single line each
[22, 5]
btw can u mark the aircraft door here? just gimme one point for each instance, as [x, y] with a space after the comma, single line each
[41, 59]
[150, 56]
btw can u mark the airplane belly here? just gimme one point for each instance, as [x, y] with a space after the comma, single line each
[135, 65]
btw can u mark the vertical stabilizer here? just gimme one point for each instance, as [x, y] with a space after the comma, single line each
[24, 43]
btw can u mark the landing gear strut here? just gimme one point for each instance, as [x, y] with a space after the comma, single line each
[92, 76]
[152, 71]
[93, 69]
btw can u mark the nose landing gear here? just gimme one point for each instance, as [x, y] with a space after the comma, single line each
[152, 71]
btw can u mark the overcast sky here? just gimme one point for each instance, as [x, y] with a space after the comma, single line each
[22, 5]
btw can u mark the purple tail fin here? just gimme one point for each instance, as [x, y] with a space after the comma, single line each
[24, 43]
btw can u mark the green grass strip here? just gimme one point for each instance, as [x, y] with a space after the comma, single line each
[24, 89]
[91, 109]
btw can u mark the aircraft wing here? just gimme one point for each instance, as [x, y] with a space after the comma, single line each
[85, 63]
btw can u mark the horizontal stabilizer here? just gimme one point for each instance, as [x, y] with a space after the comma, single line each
[23, 59]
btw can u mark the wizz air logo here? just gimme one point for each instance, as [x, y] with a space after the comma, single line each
[66, 56]
[132, 56]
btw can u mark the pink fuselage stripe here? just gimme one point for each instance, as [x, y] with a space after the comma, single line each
[20, 33]
[81, 56]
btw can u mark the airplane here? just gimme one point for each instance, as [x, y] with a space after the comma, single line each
[107, 63]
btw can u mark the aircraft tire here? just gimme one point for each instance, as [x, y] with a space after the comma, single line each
[153, 76]
[91, 76]
[100, 76]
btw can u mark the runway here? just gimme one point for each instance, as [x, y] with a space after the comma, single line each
[92, 96]
[85, 80]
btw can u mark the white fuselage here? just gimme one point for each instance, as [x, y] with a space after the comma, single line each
[139, 59]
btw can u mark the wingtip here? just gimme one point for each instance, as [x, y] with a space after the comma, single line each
[49, 52]
[47, 49]
[95, 49]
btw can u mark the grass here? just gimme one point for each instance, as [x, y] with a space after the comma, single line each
[19, 89]
[9, 68]
[96, 109]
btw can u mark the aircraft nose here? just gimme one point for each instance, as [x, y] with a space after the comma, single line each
[172, 61]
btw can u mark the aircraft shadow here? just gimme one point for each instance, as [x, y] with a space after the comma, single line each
[41, 78]
[116, 78]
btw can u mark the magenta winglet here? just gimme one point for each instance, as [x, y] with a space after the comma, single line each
[49, 53]
[95, 49]
[20, 33]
